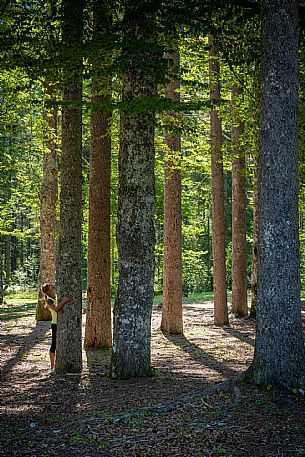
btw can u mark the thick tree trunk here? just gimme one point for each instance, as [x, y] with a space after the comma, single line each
[218, 216]
[172, 321]
[69, 332]
[98, 315]
[48, 201]
[239, 201]
[279, 357]
[135, 228]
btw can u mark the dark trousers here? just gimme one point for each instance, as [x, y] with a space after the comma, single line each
[54, 331]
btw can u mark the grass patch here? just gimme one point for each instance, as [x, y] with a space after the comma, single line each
[17, 309]
[13, 310]
[21, 295]
[192, 298]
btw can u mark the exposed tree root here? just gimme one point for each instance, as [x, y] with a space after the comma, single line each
[229, 386]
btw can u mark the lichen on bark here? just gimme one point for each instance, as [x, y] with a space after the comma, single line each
[135, 227]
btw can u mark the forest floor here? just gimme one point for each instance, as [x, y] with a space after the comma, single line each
[178, 412]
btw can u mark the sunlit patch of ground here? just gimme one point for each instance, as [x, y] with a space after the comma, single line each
[81, 415]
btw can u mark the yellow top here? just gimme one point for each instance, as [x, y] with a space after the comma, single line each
[53, 313]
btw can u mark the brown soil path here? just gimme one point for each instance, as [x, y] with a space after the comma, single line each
[49, 415]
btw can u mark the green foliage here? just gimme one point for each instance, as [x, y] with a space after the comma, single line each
[32, 53]
[17, 308]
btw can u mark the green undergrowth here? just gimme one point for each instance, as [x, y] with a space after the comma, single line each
[11, 311]
[17, 305]
[199, 297]
[14, 296]
[21, 304]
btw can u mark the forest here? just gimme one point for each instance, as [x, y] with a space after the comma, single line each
[152, 214]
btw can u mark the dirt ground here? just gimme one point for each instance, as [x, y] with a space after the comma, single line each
[178, 412]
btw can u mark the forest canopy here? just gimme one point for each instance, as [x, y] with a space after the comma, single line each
[132, 148]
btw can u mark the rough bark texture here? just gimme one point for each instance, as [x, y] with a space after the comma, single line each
[98, 314]
[69, 347]
[135, 228]
[172, 321]
[279, 357]
[254, 247]
[255, 234]
[218, 217]
[48, 201]
[239, 200]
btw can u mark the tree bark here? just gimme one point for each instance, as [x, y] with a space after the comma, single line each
[69, 332]
[98, 314]
[239, 201]
[172, 321]
[255, 234]
[279, 357]
[218, 216]
[1, 276]
[135, 228]
[254, 246]
[48, 201]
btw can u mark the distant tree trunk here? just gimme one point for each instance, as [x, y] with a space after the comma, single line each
[210, 280]
[69, 333]
[279, 357]
[98, 315]
[48, 201]
[8, 239]
[239, 201]
[172, 321]
[255, 233]
[135, 228]
[1, 276]
[218, 217]
[8, 258]
[254, 247]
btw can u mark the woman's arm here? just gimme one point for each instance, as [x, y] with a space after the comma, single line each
[57, 309]
[49, 303]
[62, 303]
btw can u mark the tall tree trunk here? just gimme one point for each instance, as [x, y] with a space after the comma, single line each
[8, 258]
[239, 201]
[98, 315]
[254, 246]
[255, 233]
[69, 333]
[135, 228]
[1, 276]
[8, 239]
[218, 216]
[48, 201]
[279, 357]
[172, 321]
